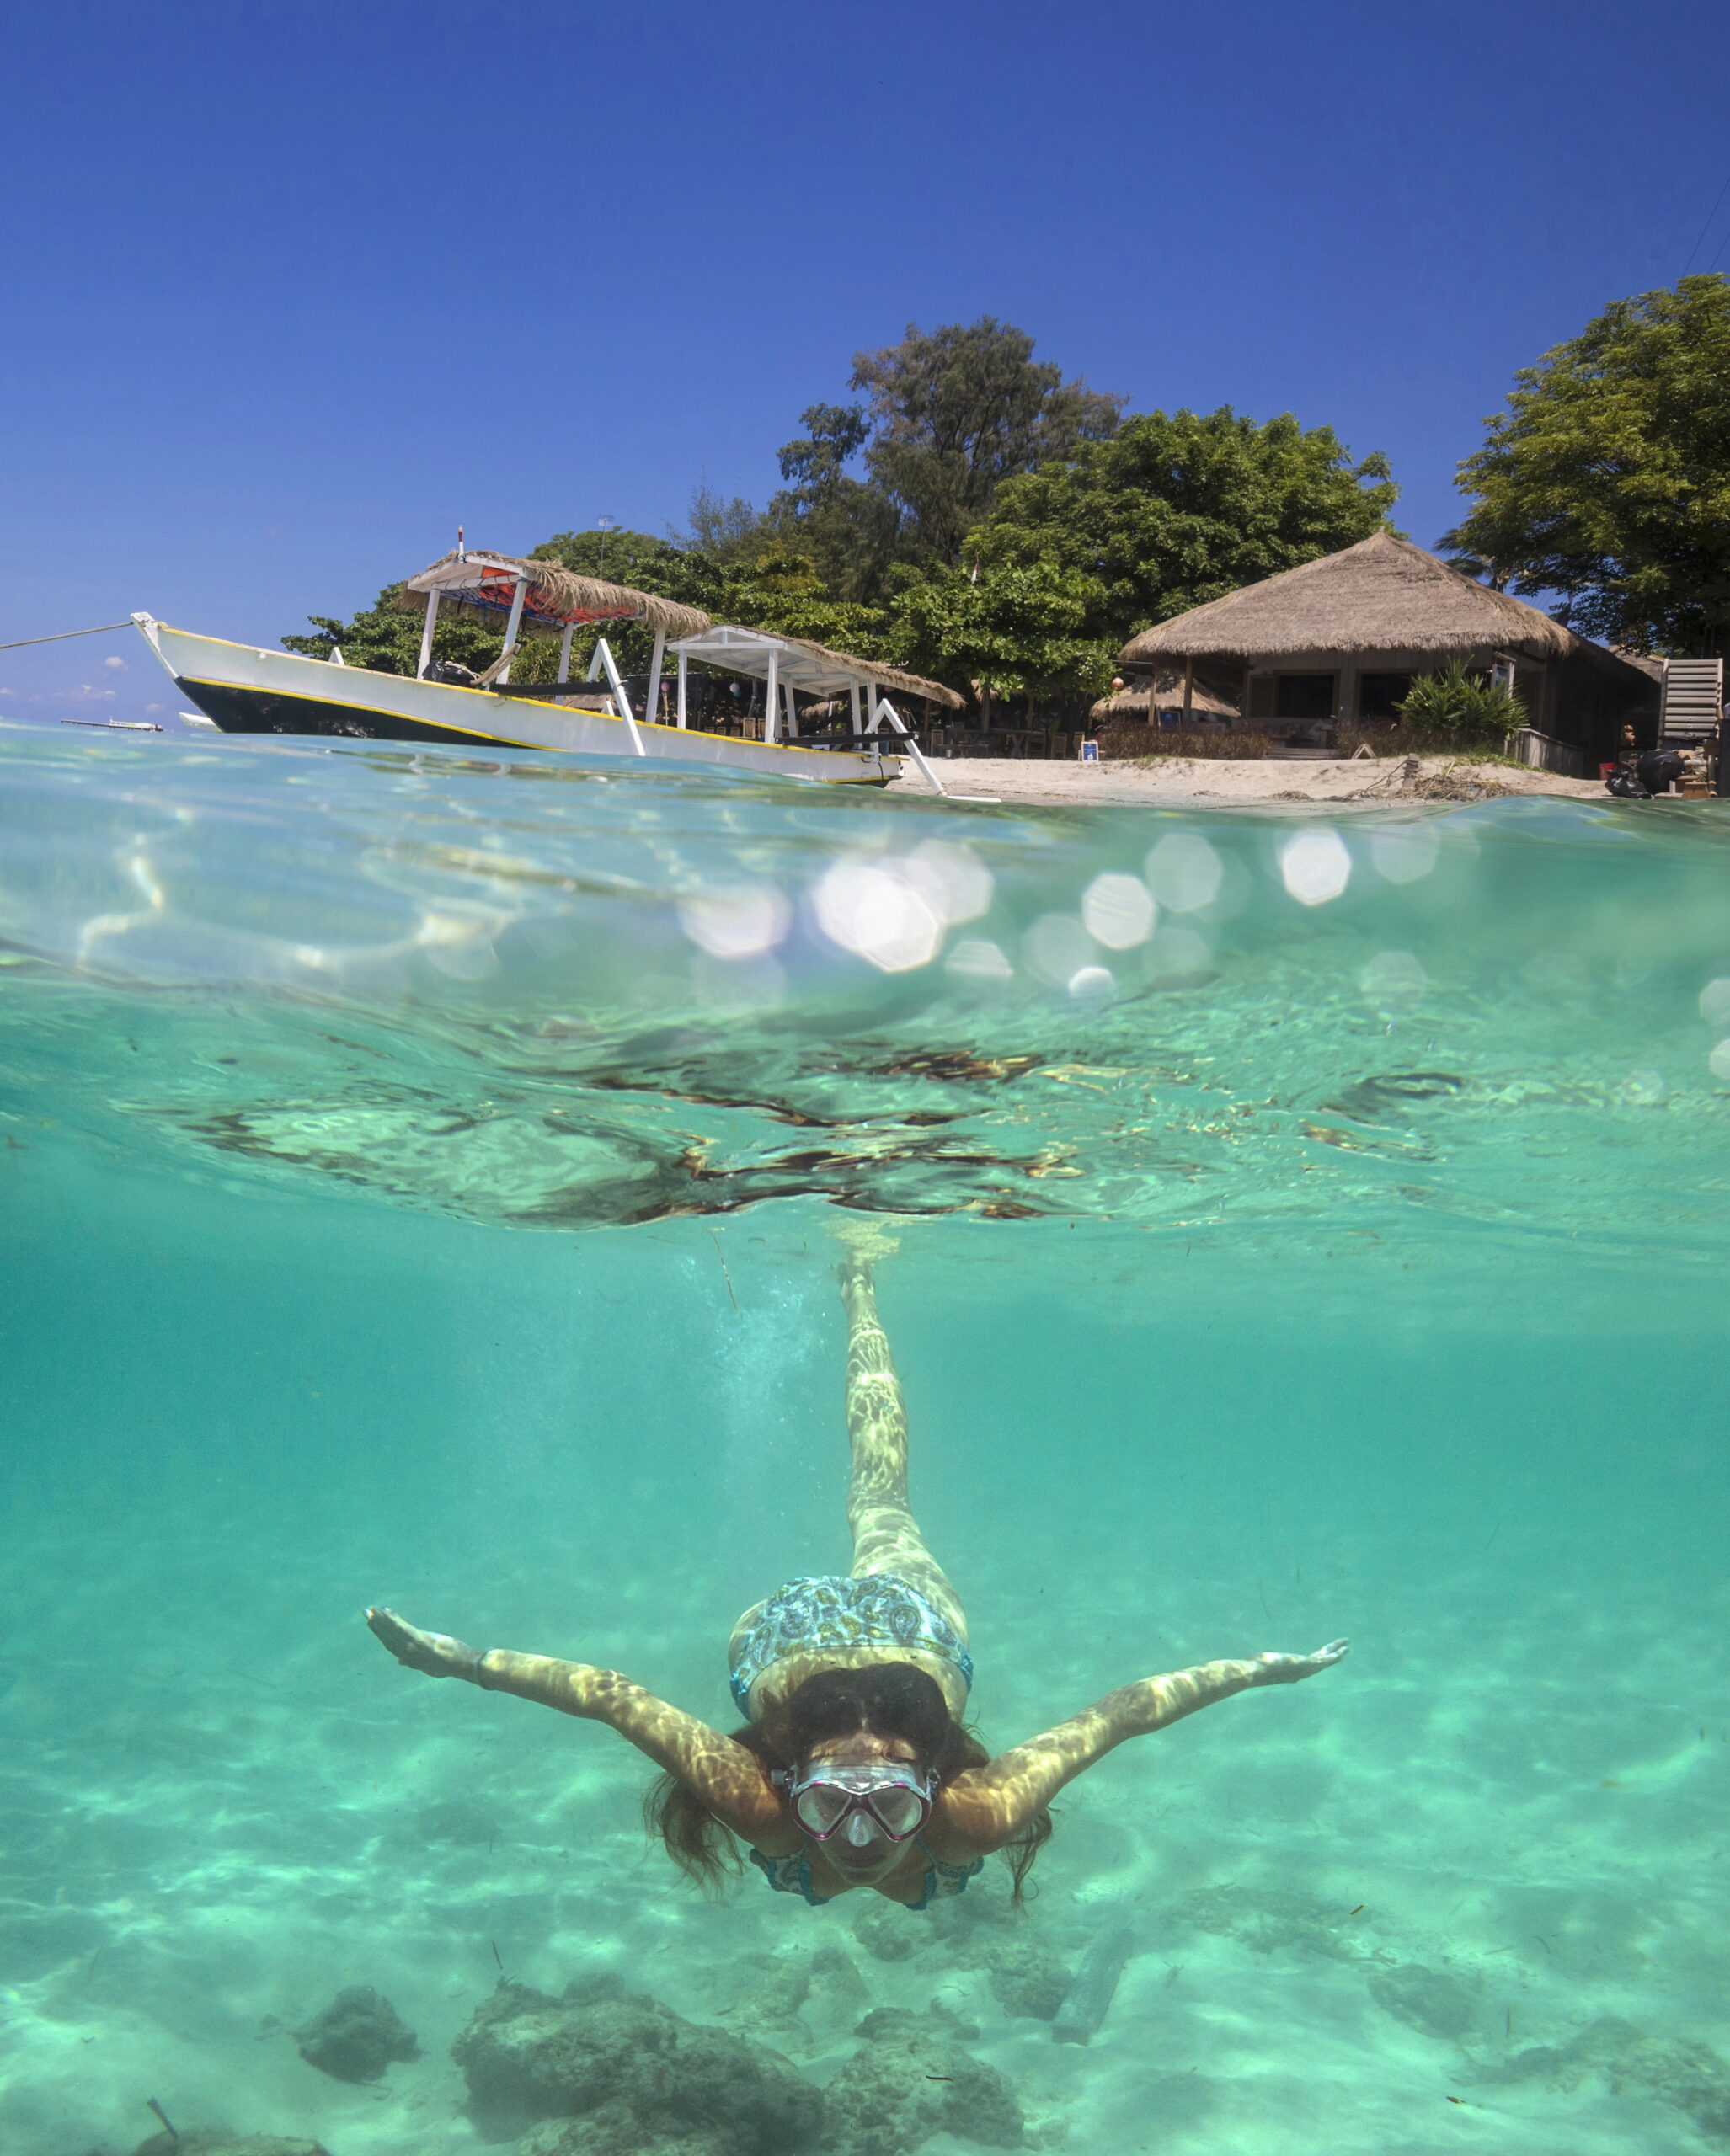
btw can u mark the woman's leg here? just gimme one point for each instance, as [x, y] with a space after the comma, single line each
[886, 1537]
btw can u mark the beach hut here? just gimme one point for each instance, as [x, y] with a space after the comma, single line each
[1342, 638]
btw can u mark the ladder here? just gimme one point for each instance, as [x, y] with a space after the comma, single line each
[1693, 699]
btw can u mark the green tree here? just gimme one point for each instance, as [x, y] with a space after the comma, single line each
[723, 530]
[388, 640]
[780, 589]
[1019, 630]
[954, 413]
[1174, 509]
[850, 527]
[1607, 478]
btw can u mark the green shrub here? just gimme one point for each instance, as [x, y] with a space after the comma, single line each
[1462, 707]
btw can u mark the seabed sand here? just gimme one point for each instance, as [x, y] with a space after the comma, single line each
[1126, 782]
[267, 1810]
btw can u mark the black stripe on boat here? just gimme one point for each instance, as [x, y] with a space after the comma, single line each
[269, 711]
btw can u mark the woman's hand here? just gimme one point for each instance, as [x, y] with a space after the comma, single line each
[432, 1653]
[1292, 1668]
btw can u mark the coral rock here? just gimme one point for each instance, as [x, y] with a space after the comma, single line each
[906, 2083]
[356, 2036]
[622, 2076]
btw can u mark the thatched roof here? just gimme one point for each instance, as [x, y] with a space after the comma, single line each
[1167, 694]
[811, 667]
[479, 587]
[1382, 594]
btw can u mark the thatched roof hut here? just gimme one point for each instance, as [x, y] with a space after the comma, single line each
[1341, 639]
[475, 586]
[1382, 594]
[1165, 693]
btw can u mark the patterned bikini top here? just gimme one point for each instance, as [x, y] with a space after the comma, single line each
[808, 1615]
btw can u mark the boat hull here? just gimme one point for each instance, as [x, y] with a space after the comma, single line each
[244, 689]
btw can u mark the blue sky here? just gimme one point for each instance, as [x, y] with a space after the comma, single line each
[289, 291]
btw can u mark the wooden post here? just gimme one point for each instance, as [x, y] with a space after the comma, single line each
[682, 668]
[1188, 688]
[565, 651]
[792, 711]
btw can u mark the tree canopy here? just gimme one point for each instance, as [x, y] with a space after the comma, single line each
[1173, 510]
[955, 413]
[1607, 478]
[979, 517]
[1020, 628]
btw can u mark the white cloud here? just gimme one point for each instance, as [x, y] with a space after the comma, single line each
[115, 665]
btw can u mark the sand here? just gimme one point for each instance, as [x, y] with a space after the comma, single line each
[1129, 784]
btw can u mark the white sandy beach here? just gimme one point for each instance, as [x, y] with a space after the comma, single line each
[1140, 783]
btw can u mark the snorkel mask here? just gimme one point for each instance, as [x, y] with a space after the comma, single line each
[828, 1795]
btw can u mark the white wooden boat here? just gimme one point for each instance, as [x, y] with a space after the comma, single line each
[247, 689]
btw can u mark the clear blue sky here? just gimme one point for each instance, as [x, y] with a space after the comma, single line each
[291, 290]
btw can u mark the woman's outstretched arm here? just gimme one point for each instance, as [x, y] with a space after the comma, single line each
[730, 1781]
[987, 1806]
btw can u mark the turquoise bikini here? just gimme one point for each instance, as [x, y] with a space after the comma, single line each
[791, 1875]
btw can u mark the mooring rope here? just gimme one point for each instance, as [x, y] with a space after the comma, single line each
[99, 632]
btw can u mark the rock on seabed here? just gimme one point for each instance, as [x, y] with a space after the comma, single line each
[602, 2071]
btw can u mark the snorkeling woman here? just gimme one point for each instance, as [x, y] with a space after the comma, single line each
[854, 1768]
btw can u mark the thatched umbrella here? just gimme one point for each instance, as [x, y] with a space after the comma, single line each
[1383, 594]
[1165, 693]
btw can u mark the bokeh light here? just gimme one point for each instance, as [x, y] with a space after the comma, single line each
[1315, 866]
[1406, 854]
[1118, 911]
[739, 921]
[1393, 981]
[874, 910]
[953, 880]
[1056, 948]
[1184, 872]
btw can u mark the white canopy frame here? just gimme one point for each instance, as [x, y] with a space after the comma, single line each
[782, 664]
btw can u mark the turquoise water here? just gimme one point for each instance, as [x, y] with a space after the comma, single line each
[422, 1181]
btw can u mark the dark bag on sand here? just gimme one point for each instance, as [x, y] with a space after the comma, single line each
[1659, 768]
[1625, 786]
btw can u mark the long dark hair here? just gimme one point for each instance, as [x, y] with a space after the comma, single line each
[883, 1699]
